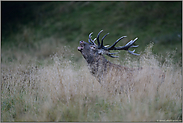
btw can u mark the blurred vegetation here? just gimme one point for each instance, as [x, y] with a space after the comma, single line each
[27, 24]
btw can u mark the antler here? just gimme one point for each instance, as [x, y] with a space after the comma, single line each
[126, 47]
[106, 50]
[90, 40]
[112, 47]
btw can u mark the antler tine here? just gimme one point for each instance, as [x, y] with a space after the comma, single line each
[112, 47]
[132, 52]
[112, 56]
[89, 39]
[101, 45]
[98, 38]
[131, 42]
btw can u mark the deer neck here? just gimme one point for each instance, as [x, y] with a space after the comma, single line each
[98, 66]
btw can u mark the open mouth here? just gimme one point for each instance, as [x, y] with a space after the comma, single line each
[80, 48]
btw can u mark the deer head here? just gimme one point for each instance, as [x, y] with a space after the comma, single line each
[91, 50]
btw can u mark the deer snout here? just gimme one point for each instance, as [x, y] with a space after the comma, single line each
[81, 45]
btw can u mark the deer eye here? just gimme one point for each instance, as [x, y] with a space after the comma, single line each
[92, 47]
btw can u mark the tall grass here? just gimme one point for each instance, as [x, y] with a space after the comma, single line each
[66, 91]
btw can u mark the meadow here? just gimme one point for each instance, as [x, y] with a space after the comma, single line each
[45, 78]
[59, 91]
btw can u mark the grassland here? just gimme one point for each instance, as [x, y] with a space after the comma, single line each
[44, 78]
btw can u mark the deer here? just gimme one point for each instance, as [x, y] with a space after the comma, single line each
[108, 74]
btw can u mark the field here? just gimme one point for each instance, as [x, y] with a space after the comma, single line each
[45, 78]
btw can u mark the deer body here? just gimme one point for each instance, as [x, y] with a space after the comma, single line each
[108, 74]
[111, 76]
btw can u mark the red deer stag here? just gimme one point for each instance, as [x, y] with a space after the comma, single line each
[107, 73]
